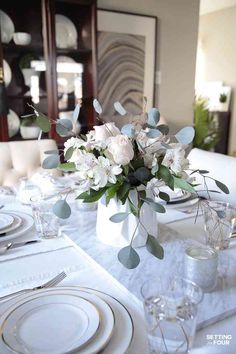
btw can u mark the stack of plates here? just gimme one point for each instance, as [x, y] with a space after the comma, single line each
[14, 224]
[65, 320]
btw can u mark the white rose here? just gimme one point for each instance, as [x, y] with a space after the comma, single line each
[103, 132]
[121, 150]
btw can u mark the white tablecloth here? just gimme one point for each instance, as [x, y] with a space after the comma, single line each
[83, 270]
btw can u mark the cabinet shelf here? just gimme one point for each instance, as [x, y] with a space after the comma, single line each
[12, 48]
[43, 81]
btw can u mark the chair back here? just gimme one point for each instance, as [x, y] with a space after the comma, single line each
[221, 167]
[23, 159]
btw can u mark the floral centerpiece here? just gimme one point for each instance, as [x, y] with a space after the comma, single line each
[117, 164]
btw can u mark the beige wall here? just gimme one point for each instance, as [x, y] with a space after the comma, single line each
[217, 32]
[176, 52]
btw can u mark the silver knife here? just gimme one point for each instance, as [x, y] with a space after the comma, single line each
[20, 244]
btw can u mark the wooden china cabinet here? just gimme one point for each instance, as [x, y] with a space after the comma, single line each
[53, 72]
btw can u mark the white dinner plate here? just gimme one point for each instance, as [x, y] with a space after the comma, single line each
[183, 205]
[66, 33]
[179, 198]
[52, 323]
[7, 72]
[26, 225]
[96, 343]
[5, 220]
[17, 220]
[7, 27]
[13, 122]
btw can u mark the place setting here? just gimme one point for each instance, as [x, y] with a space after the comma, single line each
[65, 319]
[14, 224]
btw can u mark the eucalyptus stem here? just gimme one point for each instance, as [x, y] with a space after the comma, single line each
[134, 232]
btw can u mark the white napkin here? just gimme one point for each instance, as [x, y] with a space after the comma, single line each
[46, 245]
[172, 215]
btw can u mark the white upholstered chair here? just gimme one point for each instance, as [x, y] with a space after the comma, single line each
[221, 167]
[23, 159]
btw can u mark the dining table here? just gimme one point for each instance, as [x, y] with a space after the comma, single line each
[91, 264]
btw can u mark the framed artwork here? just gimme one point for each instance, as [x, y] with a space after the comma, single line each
[126, 61]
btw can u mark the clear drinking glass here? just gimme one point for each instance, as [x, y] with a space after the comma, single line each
[170, 306]
[46, 222]
[219, 223]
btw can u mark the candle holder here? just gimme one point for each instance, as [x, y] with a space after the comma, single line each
[200, 266]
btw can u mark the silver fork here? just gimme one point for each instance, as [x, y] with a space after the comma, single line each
[52, 282]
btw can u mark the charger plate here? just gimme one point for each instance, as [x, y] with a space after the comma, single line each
[41, 342]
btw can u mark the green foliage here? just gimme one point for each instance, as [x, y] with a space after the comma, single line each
[223, 98]
[206, 130]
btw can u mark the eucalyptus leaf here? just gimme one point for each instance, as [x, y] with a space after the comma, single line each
[185, 135]
[153, 117]
[153, 133]
[97, 106]
[119, 108]
[76, 113]
[62, 209]
[43, 122]
[222, 186]
[51, 152]
[129, 257]
[129, 130]
[142, 174]
[164, 196]
[166, 146]
[184, 185]
[51, 161]
[154, 247]
[69, 152]
[220, 214]
[159, 208]
[64, 126]
[119, 217]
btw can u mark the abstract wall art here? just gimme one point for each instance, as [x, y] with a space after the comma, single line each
[126, 61]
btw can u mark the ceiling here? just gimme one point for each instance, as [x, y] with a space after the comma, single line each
[207, 6]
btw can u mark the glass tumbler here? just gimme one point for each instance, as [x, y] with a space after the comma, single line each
[46, 222]
[219, 223]
[170, 306]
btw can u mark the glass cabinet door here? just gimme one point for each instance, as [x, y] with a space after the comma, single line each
[22, 50]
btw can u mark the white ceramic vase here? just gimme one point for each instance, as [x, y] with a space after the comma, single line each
[120, 234]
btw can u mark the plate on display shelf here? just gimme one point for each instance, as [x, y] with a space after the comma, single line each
[27, 222]
[13, 122]
[33, 322]
[66, 33]
[7, 72]
[7, 27]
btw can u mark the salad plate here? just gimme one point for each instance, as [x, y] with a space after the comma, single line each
[5, 220]
[17, 220]
[50, 324]
[26, 224]
[7, 27]
[66, 33]
[13, 122]
[7, 72]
